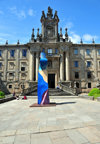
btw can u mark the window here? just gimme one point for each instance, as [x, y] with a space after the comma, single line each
[10, 74]
[99, 64]
[76, 75]
[49, 51]
[76, 63]
[23, 76]
[88, 51]
[0, 53]
[11, 65]
[49, 64]
[24, 52]
[77, 84]
[12, 53]
[22, 68]
[56, 51]
[43, 50]
[89, 85]
[88, 63]
[88, 74]
[98, 51]
[76, 51]
[10, 86]
[0, 66]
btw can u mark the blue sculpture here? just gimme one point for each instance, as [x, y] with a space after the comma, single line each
[43, 95]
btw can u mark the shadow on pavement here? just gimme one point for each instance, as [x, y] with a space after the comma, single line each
[65, 103]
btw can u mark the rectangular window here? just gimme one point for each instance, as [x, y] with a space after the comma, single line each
[49, 51]
[12, 53]
[88, 51]
[76, 51]
[0, 53]
[0, 65]
[10, 74]
[88, 74]
[22, 68]
[24, 52]
[99, 64]
[76, 63]
[98, 51]
[88, 63]
[56, 51]
[89, 85]
[76, 75]
[10, 86]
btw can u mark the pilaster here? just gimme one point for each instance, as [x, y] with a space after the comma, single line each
[67, 67]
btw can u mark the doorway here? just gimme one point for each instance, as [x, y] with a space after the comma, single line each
[51, 80]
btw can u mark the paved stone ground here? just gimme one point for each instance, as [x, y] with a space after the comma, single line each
[72, 121]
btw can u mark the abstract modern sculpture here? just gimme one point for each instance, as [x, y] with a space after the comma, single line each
[43, 95]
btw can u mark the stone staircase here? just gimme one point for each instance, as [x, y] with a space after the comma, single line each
[53, 92]
[64, 90]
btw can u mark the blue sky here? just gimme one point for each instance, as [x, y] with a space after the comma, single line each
[18, 17]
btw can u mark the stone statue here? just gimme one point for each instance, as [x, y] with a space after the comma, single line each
[43, 96]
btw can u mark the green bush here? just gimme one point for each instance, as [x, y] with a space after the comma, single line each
[94, 92]
[2, 94]
[96, 95]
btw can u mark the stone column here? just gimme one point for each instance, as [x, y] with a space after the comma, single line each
[17, 65]
[61, 68]
[5, 64]
[67, 67]
[37, 65]
[95, 62]
[31, 74]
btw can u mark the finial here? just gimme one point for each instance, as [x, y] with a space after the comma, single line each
[49, 14]
[33, 32]
[93, 41]
[6, 42]
[38, 32]
[43, 14]
[81, 41]
[60, 32]
[66, 34]
[18, 42]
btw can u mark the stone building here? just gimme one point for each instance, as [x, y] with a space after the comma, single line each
[73, 65]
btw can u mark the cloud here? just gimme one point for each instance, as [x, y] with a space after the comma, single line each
[88, 37]
[31, 12]
[1, 12]
[18, 13]
[75, 38]
[68, 25]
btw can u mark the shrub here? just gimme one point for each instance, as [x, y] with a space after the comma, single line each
[94, 91]
[2, 94]
[96, 95]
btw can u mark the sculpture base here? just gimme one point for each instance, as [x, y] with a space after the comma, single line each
[43, 105]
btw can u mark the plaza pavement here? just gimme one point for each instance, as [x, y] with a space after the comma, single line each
[72, 121]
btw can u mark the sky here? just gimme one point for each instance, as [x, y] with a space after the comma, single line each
[19, 17]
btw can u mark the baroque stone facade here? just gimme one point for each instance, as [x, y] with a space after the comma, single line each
[75, 65]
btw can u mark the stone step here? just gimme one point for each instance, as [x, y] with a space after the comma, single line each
[53, 92]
